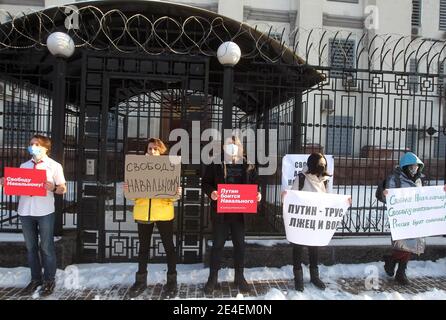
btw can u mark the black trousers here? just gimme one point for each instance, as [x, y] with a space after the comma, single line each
[220, 232]
[145, 234]
[313, 253]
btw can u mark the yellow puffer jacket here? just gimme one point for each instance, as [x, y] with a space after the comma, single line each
[146, 209]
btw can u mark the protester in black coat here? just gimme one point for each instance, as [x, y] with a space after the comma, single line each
[234, 169]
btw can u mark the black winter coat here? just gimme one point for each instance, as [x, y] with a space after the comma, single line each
[215, 174]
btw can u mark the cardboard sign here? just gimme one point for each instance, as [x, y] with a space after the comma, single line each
[152, 176]
[24, 182]
[311, 218]
[237, 198]
[416, 212]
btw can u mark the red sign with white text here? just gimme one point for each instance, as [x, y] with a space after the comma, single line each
[24, 182]
[237, 198]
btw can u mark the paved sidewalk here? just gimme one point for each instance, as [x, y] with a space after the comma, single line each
[417, 285]
[228, 291]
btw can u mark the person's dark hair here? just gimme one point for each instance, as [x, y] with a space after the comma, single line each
[43, 141]
[159, 143]
[406, 171]
[313, 164]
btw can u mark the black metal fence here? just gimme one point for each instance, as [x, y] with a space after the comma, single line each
[26, 108]
[379, 98]
[367, 127]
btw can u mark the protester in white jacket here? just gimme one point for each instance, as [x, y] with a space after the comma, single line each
[313, 179]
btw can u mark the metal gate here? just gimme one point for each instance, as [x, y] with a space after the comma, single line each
[126, 100]
[26, 103]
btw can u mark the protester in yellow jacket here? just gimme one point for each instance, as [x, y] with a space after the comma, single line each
[146, 213]
[153, 210]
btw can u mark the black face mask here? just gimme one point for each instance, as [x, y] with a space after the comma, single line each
[320, 169]
[409, 174]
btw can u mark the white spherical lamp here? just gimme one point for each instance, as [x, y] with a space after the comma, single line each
[229, 53]
[60, 44]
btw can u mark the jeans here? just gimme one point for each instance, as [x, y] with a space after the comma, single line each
[220, 232]
[33, 227]
[145, 234]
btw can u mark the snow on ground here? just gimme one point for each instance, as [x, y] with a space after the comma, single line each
[11, 237]
[102, 276]
[338, 241]
[16, 237]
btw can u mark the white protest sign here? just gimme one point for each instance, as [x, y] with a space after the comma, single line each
[292, 164]
[416, 212]
[311, 218]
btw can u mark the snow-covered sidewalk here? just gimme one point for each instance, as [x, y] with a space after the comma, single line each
[344, 281]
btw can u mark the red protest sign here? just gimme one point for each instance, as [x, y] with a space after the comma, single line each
[237, 198]
[24, 182]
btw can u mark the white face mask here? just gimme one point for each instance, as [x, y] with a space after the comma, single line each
[231, 149]
[36, 152]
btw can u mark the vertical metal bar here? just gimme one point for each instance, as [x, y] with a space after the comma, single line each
[102, 170]
[202, 211]
[81, 150]
[58, 131]
[296, 136]
[228, 84]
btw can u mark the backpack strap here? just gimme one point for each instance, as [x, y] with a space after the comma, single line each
[398, 181]
[301, 177]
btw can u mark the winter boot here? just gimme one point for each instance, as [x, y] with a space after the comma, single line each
[314, 278]
[31, 287]
[171, 285]
[48, 287]
[212, 283]
[400, 276]
[240, 281]
[139, 286]
[389, 265]
[298, 279]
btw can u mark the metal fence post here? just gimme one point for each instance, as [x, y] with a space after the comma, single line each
[58, 131]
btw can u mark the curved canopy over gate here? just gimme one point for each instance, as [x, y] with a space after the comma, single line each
[154, 28]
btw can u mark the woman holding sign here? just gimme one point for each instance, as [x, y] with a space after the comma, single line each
[146, 213]
[406, 175]
[233, 169]
[313, 179]
[37, 217]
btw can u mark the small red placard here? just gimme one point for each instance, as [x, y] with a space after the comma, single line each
[24, 182]
[237, 198]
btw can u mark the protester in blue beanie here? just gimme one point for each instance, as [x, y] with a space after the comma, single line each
[408, 174]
